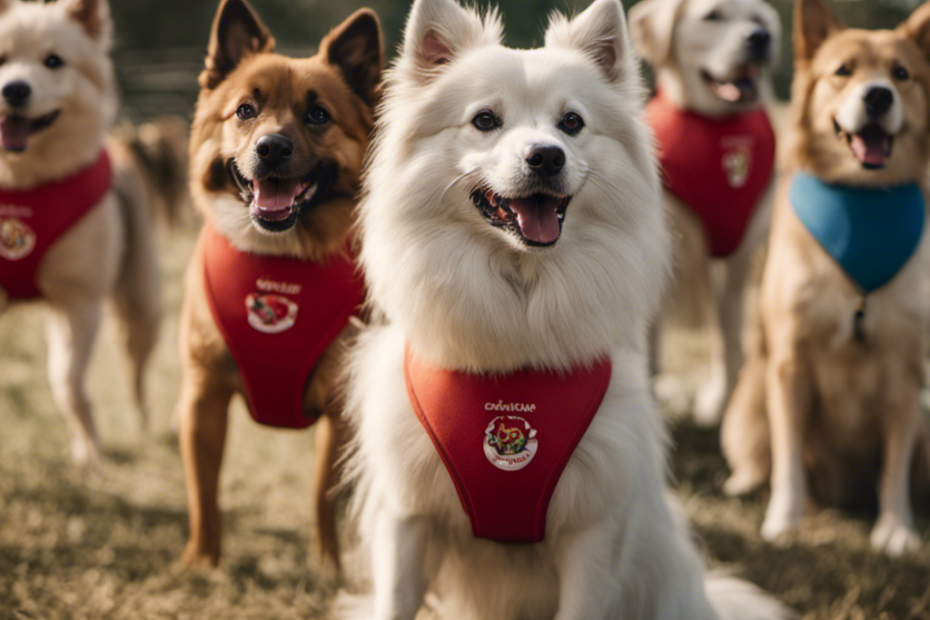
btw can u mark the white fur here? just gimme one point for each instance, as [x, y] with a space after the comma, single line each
[110, 251]
[469, 296]
[853, 118]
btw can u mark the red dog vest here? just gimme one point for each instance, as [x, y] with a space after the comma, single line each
[718, 167]
[278, 316]
[505, 439]
[32, 220]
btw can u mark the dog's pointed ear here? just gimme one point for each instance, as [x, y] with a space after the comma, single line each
[438, 31]
[652, 26]
[917, 27]
[92, 15]
[814, 23]
[237, 32]
[601, 33]
[355, 48]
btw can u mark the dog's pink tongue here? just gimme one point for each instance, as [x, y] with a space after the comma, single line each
[14, 133]
[277, 194]
[870, 147]
[538, 217]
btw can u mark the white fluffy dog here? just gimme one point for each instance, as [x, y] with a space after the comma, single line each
[512, 221]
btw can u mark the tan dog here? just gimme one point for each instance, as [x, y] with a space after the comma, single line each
[276, 155]
[712, 60]
[59, 100]
[828, 400]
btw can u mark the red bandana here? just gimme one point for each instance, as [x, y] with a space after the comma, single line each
[718, 167]
[278, 316]
[505, 439]
[32, 220]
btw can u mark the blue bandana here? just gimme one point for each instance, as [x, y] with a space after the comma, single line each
[871, 232]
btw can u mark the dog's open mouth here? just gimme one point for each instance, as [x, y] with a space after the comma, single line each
[743, 88]
[871, 146]
[275, 203]
[536, 218]
[15, 131]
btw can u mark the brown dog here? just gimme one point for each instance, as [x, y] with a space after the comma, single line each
[276, 156]
[828, 400]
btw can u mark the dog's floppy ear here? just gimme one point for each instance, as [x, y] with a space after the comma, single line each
[917, 27]
[652, 26]
[237, 32]
[601, 33]
[355, 47]
[814, 23]
[92, 15]
[438, 31]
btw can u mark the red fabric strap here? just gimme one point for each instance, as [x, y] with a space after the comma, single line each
[506, 439]
[31, 221]
[278, 316]
[718, 167]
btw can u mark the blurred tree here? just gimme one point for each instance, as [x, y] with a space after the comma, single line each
[160, 43]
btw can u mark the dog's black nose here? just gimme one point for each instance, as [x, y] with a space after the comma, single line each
[546, 161]
[760, 43]
[17, 93]
[878, 100]
[274, 149]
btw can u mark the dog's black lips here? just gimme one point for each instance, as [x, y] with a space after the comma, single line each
[496, 210]
[322, 175]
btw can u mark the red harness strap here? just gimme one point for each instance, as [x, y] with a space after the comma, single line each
[278, 316]
[505, 439]
[718, 167]
[32, 220]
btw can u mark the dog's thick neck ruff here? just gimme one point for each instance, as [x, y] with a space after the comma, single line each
[505, 439]
[278, 316]
[32, 220]
[870, 232]
[719, 167]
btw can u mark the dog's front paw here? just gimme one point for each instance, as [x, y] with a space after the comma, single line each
[709, 403]
[675, 393]
[196, 558]
[742, 482]
[780, 518]
[893, 537]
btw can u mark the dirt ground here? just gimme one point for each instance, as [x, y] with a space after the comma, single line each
[102, 544]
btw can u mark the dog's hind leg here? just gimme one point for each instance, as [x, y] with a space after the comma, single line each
[330, 435]
[137, 298]
[894, 532]
[70, 331]
[744, 436]
[398, 556]
[203, 414]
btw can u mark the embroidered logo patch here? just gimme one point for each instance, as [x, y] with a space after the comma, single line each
[737, 161]
[510, 443]
[16, 238]
[270, 314]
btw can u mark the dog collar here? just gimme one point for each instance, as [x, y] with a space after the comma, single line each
[32, 220]
[870, 232]
[278, 315]
[505, 439]
[719, 167]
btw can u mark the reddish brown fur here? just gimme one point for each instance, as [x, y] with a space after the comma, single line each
[241, 67]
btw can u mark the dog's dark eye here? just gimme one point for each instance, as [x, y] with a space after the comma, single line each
[900, 73]
[318, 116]
[54, 61]
[713, 16]
[486, 121]
[246, 111]
[843, 71]
[571, 123]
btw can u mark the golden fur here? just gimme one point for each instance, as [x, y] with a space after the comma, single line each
[823, 415]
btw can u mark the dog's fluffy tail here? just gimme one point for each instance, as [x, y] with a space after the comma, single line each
[735, 599]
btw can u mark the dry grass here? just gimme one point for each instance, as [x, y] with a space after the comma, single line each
[102, 544]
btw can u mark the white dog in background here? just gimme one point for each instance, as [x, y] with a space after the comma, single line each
[713, 62]
[512, 221]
